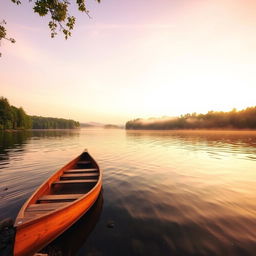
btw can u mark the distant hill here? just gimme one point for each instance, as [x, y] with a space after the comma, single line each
[91, 124]
[85, 125]
[112, 126]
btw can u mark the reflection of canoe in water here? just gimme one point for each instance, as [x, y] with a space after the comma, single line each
[69, 243]
[57, 204]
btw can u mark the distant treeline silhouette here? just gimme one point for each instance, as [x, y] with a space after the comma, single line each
[16, 118]
[244, 119]
[39, 122]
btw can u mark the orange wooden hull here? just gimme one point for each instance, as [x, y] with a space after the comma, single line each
[33, 235]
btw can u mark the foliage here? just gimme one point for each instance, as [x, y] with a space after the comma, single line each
[39, 122]
[3, 33]
[12, 117]
[244, 119]
[58, 10]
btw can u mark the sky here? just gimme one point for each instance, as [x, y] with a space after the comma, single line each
[147, 58]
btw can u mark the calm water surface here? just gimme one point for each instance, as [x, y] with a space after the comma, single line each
[167, 193]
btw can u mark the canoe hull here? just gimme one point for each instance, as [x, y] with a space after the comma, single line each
[36, 229]
[32, 237]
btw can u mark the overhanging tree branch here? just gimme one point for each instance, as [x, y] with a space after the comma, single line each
[59, 16]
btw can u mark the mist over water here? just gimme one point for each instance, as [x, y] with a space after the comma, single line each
[168, 193]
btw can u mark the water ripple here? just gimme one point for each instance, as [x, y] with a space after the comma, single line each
[169, 193]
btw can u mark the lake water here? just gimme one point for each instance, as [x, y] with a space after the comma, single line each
[166, 193]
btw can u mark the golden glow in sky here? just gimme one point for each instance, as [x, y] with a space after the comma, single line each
[133, 59]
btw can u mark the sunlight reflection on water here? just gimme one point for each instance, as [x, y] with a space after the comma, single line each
[169, 193]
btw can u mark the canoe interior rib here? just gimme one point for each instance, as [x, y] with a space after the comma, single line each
[72, 184]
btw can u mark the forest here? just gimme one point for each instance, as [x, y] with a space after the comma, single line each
[39, 122]
[13, 118]
[243, 119]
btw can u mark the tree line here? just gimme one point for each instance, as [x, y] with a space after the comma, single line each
[12, 118]
[244, 119]
[39, 122]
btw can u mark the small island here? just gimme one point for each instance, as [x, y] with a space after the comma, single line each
[243, 119]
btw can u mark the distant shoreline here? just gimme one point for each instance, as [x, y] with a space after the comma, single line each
[64, 129]
[213, 120]
[194, 130]
[20, 130]
[233, 131]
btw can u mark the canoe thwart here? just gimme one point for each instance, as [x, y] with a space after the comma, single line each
[60, 198]
[79, 175]
[84, 162]
[81, 170]
[74, 181]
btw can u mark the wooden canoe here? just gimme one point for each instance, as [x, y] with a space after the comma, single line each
[57, 204]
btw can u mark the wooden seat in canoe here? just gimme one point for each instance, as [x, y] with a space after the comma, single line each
[59, 198]
[81, 170]
[84, 162]
[78, 175]
[74, 181]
